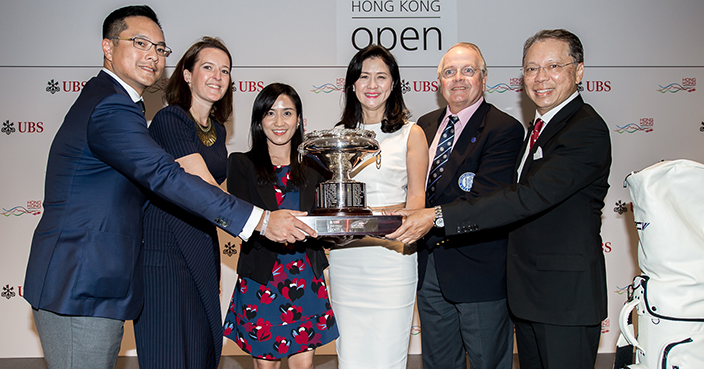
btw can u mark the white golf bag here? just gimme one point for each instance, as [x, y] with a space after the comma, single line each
[668, 207]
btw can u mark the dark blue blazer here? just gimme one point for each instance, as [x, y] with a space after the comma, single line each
[472, 268]
[555, 265]
[86, 252]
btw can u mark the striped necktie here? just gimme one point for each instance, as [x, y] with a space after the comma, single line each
[442, 153]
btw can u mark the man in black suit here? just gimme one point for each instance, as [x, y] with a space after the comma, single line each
[84, 275]
[462, 279]
[556, 273]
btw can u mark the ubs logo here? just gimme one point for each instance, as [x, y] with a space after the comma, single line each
[54, 86]
[419, 86]
[8, 291]
[599, 86]
[8, 127]
[622, 207]
[249, 86]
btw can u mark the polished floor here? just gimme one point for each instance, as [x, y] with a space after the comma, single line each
[603, 361]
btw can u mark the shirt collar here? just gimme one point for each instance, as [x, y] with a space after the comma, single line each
[550, 114]
[466, 113]
[134, 95]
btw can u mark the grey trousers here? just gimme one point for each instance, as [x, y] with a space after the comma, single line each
[482, 330]
[78, 342]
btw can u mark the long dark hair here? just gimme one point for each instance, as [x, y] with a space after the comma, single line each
[260, 148]
[177, 90]
[395, 111]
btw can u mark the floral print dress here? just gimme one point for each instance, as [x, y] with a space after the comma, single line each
[291, 313]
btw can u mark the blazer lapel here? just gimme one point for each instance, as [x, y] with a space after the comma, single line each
[464, 145]
[268, 195]
[432, 129]
[554, 126]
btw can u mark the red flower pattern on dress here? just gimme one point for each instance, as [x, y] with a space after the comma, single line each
[265, 295]
[290, 313]
[243, 344]
[278, 273]
[229, 326]
[292, 290]
[249, 311]
[242, 285]
[280, 192]
[296, 267]
[281, 345]
[261, 331]
[318, 286]
[303, 334]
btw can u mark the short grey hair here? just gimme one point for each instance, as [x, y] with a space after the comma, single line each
[470, 46]
[575, 45]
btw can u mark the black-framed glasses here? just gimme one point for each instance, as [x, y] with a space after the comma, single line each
[467, 71]
[552, 69]
[145, 45]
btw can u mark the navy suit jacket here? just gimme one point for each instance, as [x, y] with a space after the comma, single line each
[556, 272]
[86, 252]
[472, 268]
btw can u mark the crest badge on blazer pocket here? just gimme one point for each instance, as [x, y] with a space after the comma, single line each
[466, 181]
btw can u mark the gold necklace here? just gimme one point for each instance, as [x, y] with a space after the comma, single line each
[207, 136]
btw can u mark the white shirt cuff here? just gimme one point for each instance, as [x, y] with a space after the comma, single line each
[252, 222]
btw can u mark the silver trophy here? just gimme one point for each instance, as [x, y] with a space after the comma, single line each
[341, 202]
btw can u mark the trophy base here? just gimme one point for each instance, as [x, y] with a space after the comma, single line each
[353, 225]
[354, 211]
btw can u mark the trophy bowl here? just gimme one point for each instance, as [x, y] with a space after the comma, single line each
[341, 204]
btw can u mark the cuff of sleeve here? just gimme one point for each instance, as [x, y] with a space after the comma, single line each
[252, 222]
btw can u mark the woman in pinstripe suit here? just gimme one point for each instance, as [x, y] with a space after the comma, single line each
[181, 325]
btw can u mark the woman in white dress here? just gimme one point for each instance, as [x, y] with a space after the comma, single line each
[373, 281]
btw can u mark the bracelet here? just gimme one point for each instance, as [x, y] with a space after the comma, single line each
[265, 222]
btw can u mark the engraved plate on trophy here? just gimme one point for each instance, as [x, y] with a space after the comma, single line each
[341, 202]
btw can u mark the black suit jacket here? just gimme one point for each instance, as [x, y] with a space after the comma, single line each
[258, 255]
[472, 268]
[556, 272]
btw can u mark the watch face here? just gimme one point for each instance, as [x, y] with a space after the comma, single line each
[439, 222]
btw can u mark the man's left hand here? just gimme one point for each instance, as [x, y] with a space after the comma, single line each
[416, 224]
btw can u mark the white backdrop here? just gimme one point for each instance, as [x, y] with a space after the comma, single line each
[642, 58]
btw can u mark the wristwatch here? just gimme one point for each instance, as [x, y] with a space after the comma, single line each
[438, 222]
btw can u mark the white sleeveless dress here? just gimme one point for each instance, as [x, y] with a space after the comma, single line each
[373, 281]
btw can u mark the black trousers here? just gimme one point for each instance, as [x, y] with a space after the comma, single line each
[548, 346]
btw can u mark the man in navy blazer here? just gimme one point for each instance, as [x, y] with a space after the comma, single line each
[556, 272]
[462, 279]
[84, 275]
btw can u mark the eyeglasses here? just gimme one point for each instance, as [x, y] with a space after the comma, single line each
[552, 69]
[145, 45]
[465, 71]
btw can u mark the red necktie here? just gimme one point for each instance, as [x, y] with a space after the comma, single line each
[536, 132]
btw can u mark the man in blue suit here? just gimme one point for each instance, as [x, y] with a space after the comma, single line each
[84, 273]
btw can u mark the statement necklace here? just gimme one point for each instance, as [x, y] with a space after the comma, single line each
[208, 135]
